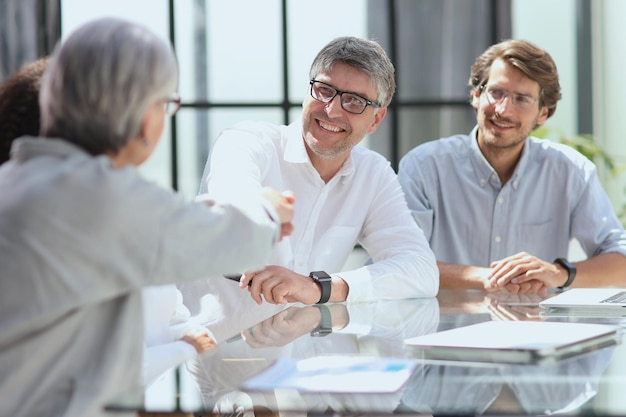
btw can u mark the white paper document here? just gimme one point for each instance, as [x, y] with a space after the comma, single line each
[337, 374]
[514, 341]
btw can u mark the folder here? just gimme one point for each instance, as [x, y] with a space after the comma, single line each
[514, 341]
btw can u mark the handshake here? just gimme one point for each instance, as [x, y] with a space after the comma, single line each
[278, 205]
[282, 202]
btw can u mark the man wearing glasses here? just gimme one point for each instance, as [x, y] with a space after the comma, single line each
[500, 207]
[344, 194]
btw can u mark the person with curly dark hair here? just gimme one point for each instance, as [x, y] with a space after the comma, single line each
[19, 105]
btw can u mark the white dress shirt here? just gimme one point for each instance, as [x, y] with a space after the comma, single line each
[166, 321]
[363, 203]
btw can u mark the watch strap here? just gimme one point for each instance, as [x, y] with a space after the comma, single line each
[326, 323]
[324, 280]
[571, 271]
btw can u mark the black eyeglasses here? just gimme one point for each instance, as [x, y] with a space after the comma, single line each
[171, 104]
[350, 102]
[495, 95]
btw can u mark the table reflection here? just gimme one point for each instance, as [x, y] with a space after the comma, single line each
[560, 387]
[251, 337]
[369, 329]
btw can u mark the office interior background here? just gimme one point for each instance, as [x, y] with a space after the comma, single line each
[249, 59]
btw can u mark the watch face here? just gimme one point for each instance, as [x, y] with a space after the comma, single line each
[321, 332]
[320, 276]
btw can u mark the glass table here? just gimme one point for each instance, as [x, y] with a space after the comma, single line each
[252, 338]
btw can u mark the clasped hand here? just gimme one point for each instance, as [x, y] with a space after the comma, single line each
[521, 273]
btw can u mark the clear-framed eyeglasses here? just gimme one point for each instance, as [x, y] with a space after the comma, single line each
[171, 104]
[495, 95]
[350, 102]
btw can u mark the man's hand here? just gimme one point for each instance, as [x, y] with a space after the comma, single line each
[455, 276]
[504, 305]
[283, 204]
[506, 312]
[522, 288]
[279, 285]
[199, 340]
[526, 272]
[283, 327]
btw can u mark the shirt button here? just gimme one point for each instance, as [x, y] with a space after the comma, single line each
[498, 239]
[501, 200]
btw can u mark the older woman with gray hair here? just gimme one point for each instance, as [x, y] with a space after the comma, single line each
[81, 232]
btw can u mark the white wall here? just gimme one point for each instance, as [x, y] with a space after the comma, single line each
[147, 12]
[609, 61]
[551, 25]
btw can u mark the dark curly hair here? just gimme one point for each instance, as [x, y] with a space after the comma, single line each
[19, 105]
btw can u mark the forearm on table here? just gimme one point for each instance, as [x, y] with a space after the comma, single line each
[455, 276]
[604, 270]
[398, 277]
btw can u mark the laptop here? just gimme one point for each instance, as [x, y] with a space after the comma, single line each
[607, 299]
[514, 341]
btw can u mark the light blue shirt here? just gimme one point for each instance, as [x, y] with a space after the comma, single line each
[470, 218]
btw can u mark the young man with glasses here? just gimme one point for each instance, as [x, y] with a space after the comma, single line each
[345, 194]
[499, 207]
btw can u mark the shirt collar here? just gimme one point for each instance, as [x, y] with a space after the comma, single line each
[485, 172]
[521, 164]
[29, 147]
[295, 151]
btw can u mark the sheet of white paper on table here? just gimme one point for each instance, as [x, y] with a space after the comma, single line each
[340, 374]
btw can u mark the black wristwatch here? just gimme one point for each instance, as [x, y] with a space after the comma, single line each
[326, 324]
[323, 279]
[571, 272]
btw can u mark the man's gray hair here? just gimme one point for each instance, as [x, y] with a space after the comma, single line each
[364, 55]
[100, 82]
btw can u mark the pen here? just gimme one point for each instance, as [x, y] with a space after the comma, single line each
[236, 278]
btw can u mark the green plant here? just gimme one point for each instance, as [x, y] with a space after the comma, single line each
[583, 143]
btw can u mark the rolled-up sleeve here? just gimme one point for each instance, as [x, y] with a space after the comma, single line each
[403, 265]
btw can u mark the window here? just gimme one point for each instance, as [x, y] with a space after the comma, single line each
[246, 59]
